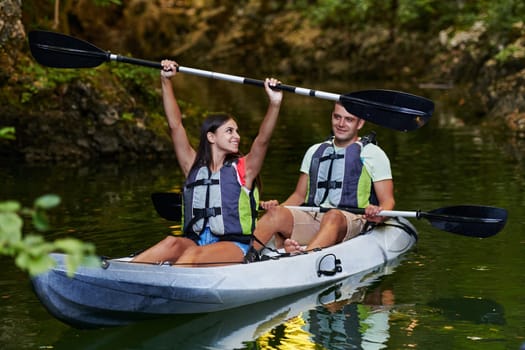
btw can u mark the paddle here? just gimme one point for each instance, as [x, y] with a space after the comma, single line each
[467, 220]
[392, 109]
[168, 205]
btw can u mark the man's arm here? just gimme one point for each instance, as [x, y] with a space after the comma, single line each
[296, 198]
[384, 190]
[299, 195]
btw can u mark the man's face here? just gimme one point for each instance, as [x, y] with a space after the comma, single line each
[345, 126]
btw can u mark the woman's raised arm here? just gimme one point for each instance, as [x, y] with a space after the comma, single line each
[183, 150]
[255, 158]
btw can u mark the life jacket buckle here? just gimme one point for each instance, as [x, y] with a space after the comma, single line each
[212, 212]
[332, 185]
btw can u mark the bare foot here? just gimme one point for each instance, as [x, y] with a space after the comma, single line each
[291, 246]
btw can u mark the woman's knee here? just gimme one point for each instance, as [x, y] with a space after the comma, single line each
[170, 241]
[176, 245]
[191, 255]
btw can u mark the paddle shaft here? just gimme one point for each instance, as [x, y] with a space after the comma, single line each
[107, 56]
[359, 211]
[467, 220]
[407, 214]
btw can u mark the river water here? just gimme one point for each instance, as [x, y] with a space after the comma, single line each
[450, 292]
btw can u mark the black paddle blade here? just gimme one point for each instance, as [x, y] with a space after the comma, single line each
[468, 220]
[168, 205]
[392, 109]
[62, 51]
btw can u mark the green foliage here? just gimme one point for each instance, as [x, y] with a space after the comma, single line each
[107, 2]
[7, 132]
[510, 52]
[138, 80]
[402, 14]
[352, 12]
[44, 78]
[502, 15]
[31, 252]
[127, 116]
[416, 13]
[413, 14]
[137, 75]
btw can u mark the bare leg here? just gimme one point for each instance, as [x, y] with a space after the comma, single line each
[215, 254]
[332, 230]
[169, 249]
[276, 220]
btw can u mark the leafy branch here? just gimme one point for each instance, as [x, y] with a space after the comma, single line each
[31, 252]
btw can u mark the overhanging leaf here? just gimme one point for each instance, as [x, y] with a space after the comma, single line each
[47, 201]
[10, 206]
[10, 227]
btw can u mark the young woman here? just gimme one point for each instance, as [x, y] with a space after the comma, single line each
[220, 195]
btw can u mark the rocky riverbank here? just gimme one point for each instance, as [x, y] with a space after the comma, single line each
[63, 117]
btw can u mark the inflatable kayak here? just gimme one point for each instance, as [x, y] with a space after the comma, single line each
[231, 329]
[120, 290]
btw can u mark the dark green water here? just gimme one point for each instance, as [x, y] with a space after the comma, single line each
[451, 292]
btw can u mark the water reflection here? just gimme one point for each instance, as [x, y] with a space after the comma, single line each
[358, 322]
[476, 310]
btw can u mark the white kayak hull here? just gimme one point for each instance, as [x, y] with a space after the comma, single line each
[120, 290]
[231, 329]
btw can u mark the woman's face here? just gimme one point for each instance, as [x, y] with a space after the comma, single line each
[226, 137]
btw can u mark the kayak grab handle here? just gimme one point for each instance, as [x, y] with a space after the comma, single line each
[329, 265]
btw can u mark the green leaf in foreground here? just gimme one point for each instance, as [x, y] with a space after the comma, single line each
[10, 228]
[10, 206]
[78, 254]
[8, 133]
[47, 201]
[32, 252]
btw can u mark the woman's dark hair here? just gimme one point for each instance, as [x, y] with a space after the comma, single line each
[211, 124]
[203, 158]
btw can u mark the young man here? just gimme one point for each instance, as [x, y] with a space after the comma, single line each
[345, 171]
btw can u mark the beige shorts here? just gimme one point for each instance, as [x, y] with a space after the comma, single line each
[306, 225]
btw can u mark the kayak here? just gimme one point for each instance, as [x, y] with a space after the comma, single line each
[231, 329]
[122, 291]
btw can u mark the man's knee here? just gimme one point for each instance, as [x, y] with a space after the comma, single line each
[334, 216]
[273, 220]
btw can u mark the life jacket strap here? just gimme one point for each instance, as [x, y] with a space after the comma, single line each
[331, 156]
[330, 185]
[203, 182]
[206, 212]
